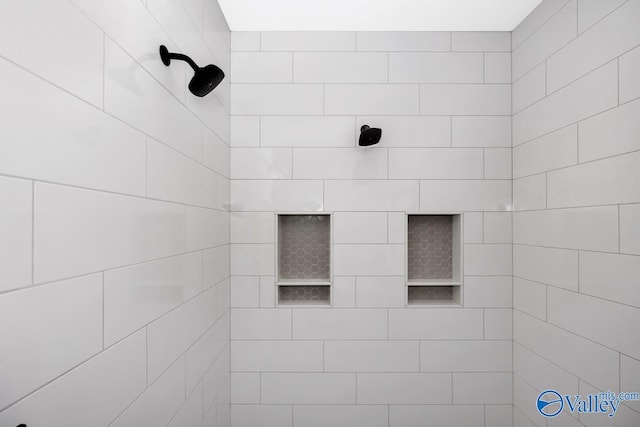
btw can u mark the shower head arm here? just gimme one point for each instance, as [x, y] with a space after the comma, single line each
[167, 56]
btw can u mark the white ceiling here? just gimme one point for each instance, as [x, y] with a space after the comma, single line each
[376, 15]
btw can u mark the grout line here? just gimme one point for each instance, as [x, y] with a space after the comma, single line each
[104, 66]
[618, 74]
[103, 311]
[619, 235]
[33, 233]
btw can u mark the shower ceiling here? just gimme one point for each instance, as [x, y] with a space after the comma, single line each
[376, 15]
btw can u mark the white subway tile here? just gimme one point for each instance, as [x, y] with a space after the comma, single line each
[261, 67]
[268, 291]
[206, 228]
[589, 95]
[613, 132]
[303, 388]
[159, 403]
[520, 419]
[340, 415]
[583, 315]
[498, 323]
[435, 163]
[439, 67]
[95, 392]
[249, 323]
[578, 228]
[473, 227]
[606, 40]
[81, 44]
[497, 163]
[135, 296]
[477, 388]
[245, 41]
[95, 230]
[560, 347]
[470, 41]
[245, 291]
[548, 38]
[340, 324]
[410, 324]
[371, 356]
[487, 260]
[555, 150]
[530, 297]
[465, 195]
[372, 260]
[111, 158]
[404, 41]
[256, 99]
[215, 265]
[530, 88]
[215, 383]
[497, 67]
[629, 64]
[202, 354]
[245, 131]
[252, 227]
[497, 227]
[629, 377]
[300, 131]
[277, 356]
[172, 334]
[396, 227]
[360, 227]
[524, 411]
[530, 192]
[429, 415]
[405, 389]
[340, 67]
[487, 291]
[211, 112]
[592, 11]
[343, 291]
[465, 356]
[64, 318]
[174, 177]
[245, 388]
[274, 195]
[340, 163]
[369, 195]
[557, 267]
[380, 291]
[603, 182]
[261, 163]
[410, 131]
[630, 229]
[252, 259]
[321, 41]
[481, 131]
[262, 415]
[465, 99]
[624, 415]
[15, 227]
[215, 152]
[371, 99]
[190, 414]
[541, 373]
[610, 276]
[157, 113]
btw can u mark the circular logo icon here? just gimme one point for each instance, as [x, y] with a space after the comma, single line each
[550, 403]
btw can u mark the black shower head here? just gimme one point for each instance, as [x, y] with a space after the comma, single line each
[204, 80]
[369, 136]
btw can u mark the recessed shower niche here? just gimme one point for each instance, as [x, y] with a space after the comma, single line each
[304, 259]
[434, 259]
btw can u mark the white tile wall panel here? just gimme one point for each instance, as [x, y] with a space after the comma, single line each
[589, 95]
[523, 394]
[245, 41]
[340, 163]
[340, 67]
[629, 375]
[410, 131]
[245, 388]
[610, 133]
[529, 88]
[268, 291]
[530, 297]
[245, 291]
[201, 355]
[371, 195]
[487, 260]
[301, 131]
[16, 261]
[306, 388]
[135, 296]
[532, 22]
[481, 131]
[497, 163]
[487, 291]
[371, 99]
[360, 227]
[497, 67]
[396, 232]
[252, 259]
[344, 291]
[610, 276]
[206, 228]
[320, 41]
[465, 99]
[215, 265]
[340, 415]
[479, 41]
[257, 324]
[277, 356]
[64, 318]
[557, 267]
[540, 372]
[465, 356]
[498, 324]
[592, 11]
[190, 413]
[404, 388]
[497, 227]
[478, 387]
[371, 260]
[426, 415]
[274, 67]
[436, 163]
[612, 36]
[279, 196]
[380, 291]
[555, 150]
[630, 229]
[261, 163]
[371, 356]
[530, 192]
[340, 324]
[577, 228]
[252, 227]
[245, 131]
[211, 113]
[463, 195]
[410, 324]
[265, 415]
[629, 64]
[215, 152]
[403, 41]
[556, 32]
[256, 99]
[473, 227]
[215, 383]
[435, 67]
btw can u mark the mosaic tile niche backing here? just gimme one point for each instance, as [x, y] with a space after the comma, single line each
[304, 247]
[305, 294]
[430, 247]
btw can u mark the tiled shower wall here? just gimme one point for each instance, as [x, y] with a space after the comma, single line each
[443, 102]
[114, 216]
[576, 229]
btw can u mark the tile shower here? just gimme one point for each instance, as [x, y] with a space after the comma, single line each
[238, 261]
